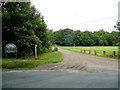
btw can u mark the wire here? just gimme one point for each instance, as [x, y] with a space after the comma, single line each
[93, 21]
[99, 20]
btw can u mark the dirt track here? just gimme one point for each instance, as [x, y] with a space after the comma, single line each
[77, 61]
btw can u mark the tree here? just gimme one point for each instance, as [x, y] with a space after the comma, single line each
[115, 38]
[100, 37]
[64, 37]
[87, 38]
[23, 26]
[77, 38]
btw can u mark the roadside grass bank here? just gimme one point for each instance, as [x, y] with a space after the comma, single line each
[95, 50]
[31, 62]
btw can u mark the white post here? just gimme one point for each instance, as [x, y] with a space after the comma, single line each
[74, 44]
[35, 50]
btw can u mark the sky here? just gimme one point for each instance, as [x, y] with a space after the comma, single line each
[91, 15]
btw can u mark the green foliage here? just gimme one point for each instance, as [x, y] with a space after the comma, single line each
[68, 37]
[16, 64]
[77, 37]
[24, 26]
[28, 63]
[64, 37]
[55, 49]
[51, 37]
[45, 50]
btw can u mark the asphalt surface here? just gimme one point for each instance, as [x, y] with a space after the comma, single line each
[59, 79]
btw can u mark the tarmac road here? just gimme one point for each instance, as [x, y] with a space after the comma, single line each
[59, 79]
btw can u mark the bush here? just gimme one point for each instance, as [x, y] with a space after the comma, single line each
[44, 50]
[24, 54]
[117, 44]
[55, 49]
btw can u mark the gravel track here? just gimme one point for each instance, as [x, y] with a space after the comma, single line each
[78, 61]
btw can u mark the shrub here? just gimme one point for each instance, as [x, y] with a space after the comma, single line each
[44, 50]
[55, 49]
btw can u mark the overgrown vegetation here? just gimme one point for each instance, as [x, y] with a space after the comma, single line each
[99, 50]
[31, 62]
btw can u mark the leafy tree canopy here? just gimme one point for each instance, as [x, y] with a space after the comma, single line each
[24, 26]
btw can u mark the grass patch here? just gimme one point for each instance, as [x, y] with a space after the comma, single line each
[99, 50]
[31, 62]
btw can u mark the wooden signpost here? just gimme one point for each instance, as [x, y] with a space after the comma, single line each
[35, 50]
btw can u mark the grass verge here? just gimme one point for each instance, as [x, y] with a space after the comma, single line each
[99, 50]
[31, 62]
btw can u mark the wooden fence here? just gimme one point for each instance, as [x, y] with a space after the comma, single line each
[95, 52]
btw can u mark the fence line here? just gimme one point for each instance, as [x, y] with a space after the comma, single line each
[95, 52]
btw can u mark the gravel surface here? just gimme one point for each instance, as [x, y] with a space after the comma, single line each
[77, 61]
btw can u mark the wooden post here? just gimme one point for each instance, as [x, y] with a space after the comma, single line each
[114, 53]
[104, 52]
[16, 54]
[89, 51]
[81, 50]
[6, 55]
[84, 51]
[95, 52]
[35, 50]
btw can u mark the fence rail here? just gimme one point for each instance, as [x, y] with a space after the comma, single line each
[95, 52]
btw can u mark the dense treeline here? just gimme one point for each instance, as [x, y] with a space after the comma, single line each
[68, 37]
[24, 26]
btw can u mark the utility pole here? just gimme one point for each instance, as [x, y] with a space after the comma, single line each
[118, 22]
[119, 11]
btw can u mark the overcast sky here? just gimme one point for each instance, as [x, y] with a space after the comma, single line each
[91, 15]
